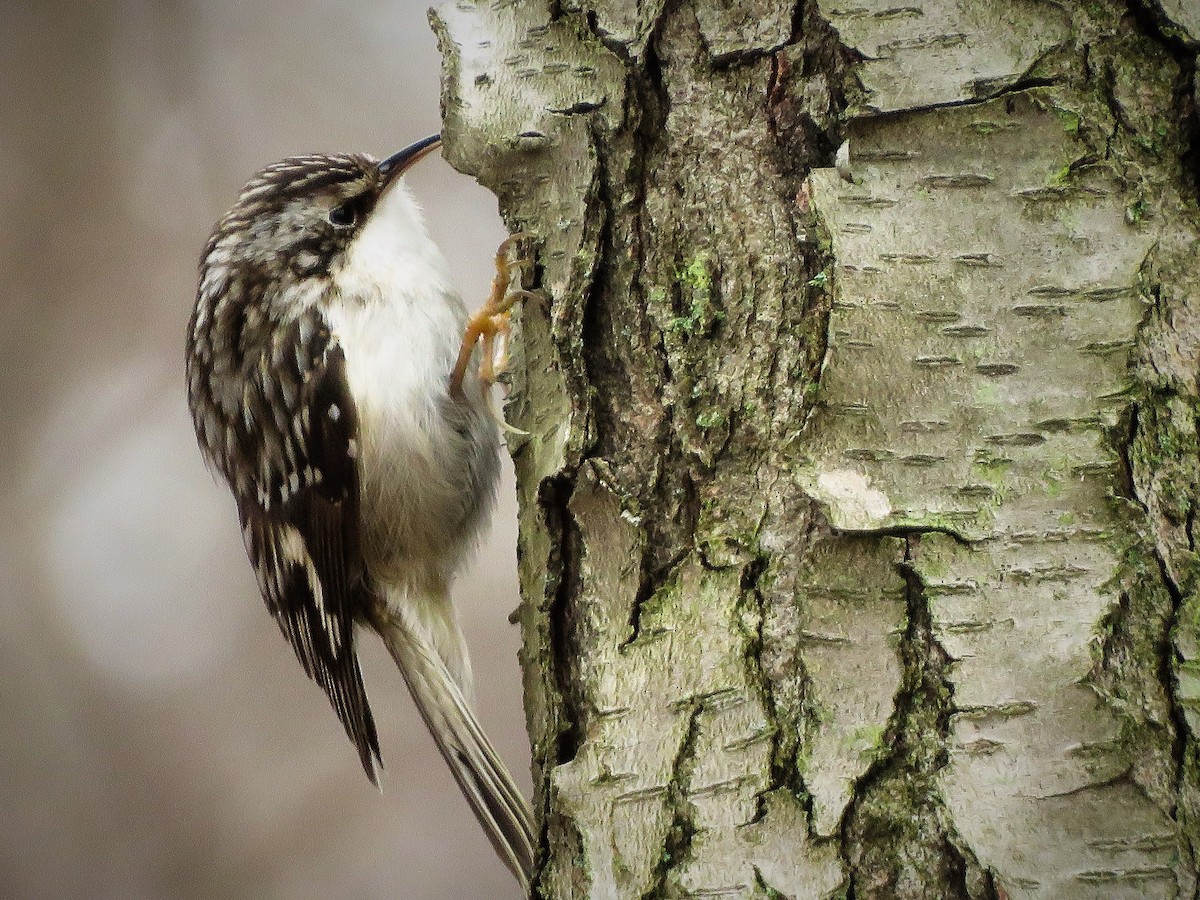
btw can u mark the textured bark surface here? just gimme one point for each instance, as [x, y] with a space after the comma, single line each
[857, 503]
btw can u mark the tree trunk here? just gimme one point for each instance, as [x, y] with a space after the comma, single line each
[856, 502]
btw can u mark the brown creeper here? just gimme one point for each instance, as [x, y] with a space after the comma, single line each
[318, 368]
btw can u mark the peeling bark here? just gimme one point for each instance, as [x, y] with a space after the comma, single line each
[857, 516]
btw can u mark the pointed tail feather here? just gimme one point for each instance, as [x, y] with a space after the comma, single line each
[481, 776]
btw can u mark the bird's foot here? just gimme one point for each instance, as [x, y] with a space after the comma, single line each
[491, 325]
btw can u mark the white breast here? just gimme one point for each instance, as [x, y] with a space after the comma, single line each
[400, 327]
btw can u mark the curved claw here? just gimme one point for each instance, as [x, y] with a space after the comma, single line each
[514, 238]
[503, 423]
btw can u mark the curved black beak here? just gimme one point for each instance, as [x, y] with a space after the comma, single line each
[398, 163]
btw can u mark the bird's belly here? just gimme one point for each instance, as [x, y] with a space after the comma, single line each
[416, 493]
[427, 464]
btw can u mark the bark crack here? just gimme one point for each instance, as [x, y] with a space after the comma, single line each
[1153, 21]
[808, 88]
[785, 740]
[554, 499]
[1164, 650]
[915, 531]
[771, 893]
[1020, 86]
[678, 842]
[896, 828]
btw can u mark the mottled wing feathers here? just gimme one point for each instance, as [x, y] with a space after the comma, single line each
[299, 504]
[311, 610]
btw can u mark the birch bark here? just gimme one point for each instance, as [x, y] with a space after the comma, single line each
[857, 502]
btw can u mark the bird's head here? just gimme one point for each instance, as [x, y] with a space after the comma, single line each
[297, 220]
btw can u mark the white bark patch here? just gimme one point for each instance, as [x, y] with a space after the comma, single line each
[850, 501]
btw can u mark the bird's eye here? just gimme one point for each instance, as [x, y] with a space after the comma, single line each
[344, 214]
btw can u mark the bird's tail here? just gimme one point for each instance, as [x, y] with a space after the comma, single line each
[485, 782]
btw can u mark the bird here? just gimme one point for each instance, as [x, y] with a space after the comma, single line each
[329, 379]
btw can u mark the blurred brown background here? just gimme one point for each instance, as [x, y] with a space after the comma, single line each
[159, 739]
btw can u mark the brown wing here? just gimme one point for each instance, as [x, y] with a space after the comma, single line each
[300, 520]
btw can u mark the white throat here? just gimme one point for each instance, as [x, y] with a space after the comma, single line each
[392, 251]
